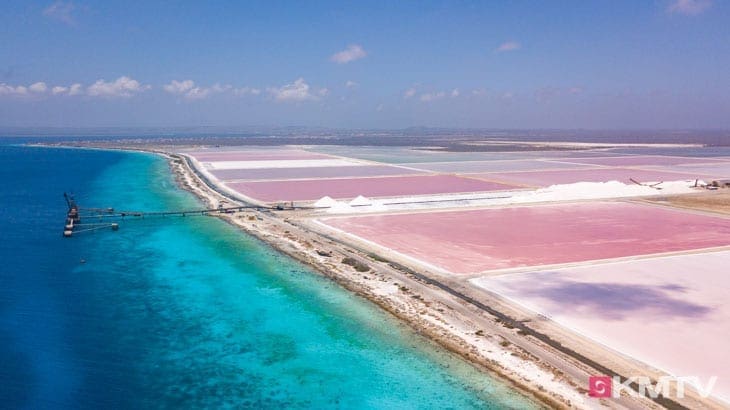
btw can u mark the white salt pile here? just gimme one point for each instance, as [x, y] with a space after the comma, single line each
[325, 202]
[555, 193]
[360, 201]
[599, 190]
[377, 206]
[340, 207]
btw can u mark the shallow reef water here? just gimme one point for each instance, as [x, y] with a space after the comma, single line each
[188, 312]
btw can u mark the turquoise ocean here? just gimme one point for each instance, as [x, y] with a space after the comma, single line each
[188, 312]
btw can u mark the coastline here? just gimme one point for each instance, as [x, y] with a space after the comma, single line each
[375, 287]
[492, 334]
[486, 341]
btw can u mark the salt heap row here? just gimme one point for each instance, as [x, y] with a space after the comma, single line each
[328, 202]
[358, 204]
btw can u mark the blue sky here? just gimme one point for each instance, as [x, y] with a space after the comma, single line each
[511, 64]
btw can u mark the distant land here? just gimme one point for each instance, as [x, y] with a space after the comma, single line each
[413, 136]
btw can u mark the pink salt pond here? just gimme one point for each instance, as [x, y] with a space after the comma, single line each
[474, 167]
[312, 172]
[669, 312]
[638, 160]
[555, 177]
[313, 189]
[489, 239]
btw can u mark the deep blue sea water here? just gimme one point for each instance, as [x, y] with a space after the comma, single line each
[187, 312]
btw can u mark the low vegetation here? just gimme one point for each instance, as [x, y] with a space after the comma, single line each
[376, 257]
[356, 264]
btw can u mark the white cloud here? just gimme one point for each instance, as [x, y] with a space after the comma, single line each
[689, 7]
[61, 11]
[75, 89]
[179, 87]
[188, 90]
[297, 91]
[38, 88]
[409, 93]
[479, 92]
[428, 97]
[351, 84]
[6, 89]
[59, 90]
[509, 46]
[455, 93]
[218, 88]
[351, 53]
[121, 87]
[323, 92]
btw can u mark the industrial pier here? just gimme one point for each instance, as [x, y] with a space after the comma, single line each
[73, 220]
[74, 215]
